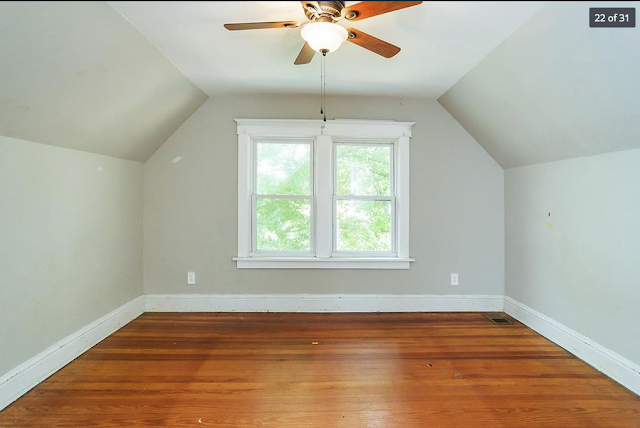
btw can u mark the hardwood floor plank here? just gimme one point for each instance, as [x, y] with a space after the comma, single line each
[367, 370]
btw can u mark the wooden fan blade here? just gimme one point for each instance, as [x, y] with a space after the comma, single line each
[367, 9]
[305, 56]
[261, 25]
[371, 43]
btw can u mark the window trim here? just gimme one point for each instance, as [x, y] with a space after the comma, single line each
[324, 136]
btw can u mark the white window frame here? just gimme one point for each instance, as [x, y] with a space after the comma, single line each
[324, 136]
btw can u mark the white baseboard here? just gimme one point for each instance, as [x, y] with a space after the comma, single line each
[321, 303]
[605, 360]
[33, 371]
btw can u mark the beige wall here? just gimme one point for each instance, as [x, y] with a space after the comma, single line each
[70, 243]
[457, 205]
[584, 271]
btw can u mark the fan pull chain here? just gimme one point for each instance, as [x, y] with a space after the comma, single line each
[321, 81]
[323, 87]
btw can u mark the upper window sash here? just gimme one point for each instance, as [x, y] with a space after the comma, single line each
[365, 143]
[284, 141]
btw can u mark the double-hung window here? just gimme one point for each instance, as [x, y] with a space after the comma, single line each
[315, 194]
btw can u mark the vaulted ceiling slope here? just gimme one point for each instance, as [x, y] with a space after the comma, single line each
[78, 75]
[555, 89]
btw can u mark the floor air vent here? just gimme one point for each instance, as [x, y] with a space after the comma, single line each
[497, 319]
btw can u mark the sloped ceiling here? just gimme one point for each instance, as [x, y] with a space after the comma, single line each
[555, 89]
[78, 75]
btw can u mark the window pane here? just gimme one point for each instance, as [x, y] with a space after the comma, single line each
[283, 224]
[363, 170]
[363, 225]
[283, 169]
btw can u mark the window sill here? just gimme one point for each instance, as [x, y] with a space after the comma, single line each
[318, 263]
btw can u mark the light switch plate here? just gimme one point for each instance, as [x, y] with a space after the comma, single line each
[191, 278]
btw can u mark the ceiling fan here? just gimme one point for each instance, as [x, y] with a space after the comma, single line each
[323, 35]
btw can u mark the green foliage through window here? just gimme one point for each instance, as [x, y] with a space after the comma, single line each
[363, 225]
[363, 170]
[283, 169]
[284, 224]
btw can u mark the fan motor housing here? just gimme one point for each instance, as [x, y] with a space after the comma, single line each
[332, 9]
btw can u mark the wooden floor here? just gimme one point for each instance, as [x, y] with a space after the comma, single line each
[366, 370]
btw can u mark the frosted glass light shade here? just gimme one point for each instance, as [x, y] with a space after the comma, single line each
[324, 36]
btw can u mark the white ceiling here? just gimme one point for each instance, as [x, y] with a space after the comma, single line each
[440, 41]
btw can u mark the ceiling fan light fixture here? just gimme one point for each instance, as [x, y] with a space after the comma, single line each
[324, 37]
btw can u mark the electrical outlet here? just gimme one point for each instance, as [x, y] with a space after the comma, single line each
[191, 278]
[454, 279]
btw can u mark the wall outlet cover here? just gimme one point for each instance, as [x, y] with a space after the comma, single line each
[454, 279]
